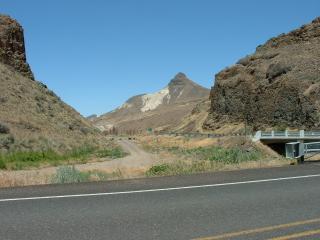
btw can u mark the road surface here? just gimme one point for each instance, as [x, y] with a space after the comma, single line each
[276, 203]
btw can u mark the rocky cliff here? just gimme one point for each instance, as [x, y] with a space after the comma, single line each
[12, 48]
[278, 85]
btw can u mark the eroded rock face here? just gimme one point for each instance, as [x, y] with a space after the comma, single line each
[12, 48]
[279, 85]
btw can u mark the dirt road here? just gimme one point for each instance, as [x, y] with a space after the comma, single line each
[137, 162]
[133, 165]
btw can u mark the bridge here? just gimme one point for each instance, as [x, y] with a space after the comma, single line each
[292, 144]
[286, 136]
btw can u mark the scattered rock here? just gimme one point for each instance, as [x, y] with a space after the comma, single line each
[4, 129]
[276, 69]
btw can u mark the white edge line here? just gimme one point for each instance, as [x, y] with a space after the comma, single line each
[158, 189]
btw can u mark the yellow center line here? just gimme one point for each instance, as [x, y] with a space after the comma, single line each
[297, 235]
[259, 230]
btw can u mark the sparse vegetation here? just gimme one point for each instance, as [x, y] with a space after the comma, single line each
[112, 153]
[69, 174]
[219, 154]
[22, 159]
[40, 120]
[4, 129]
[2, 164]
[6, 140]
[158, 169]
[182, 168]
[280, 127]
[203, 159]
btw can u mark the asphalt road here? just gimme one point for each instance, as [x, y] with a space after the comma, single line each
[246, 204]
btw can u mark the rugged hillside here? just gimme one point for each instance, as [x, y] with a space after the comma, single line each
[278, 85]
[31, 116]
[161, 110]
[193, 121]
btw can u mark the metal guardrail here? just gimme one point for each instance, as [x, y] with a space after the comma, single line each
[311, 147]
[300, 150]
[286, 134]
[204, 135]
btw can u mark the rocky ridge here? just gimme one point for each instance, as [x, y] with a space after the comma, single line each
[277, 86]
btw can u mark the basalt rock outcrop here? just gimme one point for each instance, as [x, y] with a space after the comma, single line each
[12, 47]
[278, 85]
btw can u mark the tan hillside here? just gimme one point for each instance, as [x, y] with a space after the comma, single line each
[162, 111]
[32, 117]
[194, 120]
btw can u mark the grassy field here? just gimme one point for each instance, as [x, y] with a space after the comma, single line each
[23, 160]
[193, 155]
[219, 154]
[204, 159]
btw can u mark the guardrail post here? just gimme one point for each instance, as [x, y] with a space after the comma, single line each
[286, 133]
[272, 133]
[256, 137]
[258, 134]
[301, 150]
[301, 133]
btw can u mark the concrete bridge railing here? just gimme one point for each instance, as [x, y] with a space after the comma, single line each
[301, 134]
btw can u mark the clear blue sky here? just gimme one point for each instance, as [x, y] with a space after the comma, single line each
[97, 53]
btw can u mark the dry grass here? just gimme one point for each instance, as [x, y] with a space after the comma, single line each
[38, 119]
[152, 142]
[190, 155]
[170, 141]
[178, 162]
[25, 178]
[46, 176]
[187, 166]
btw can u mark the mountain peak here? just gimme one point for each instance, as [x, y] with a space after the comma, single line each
[162, 109]
[180, 75]
[179, 79]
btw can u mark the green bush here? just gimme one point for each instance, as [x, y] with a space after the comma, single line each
[158, 170]
[181, 168]
[68, 174]
[2, 164]
[20, 160]
[112, 152]
[79, 153]
[4, 129]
